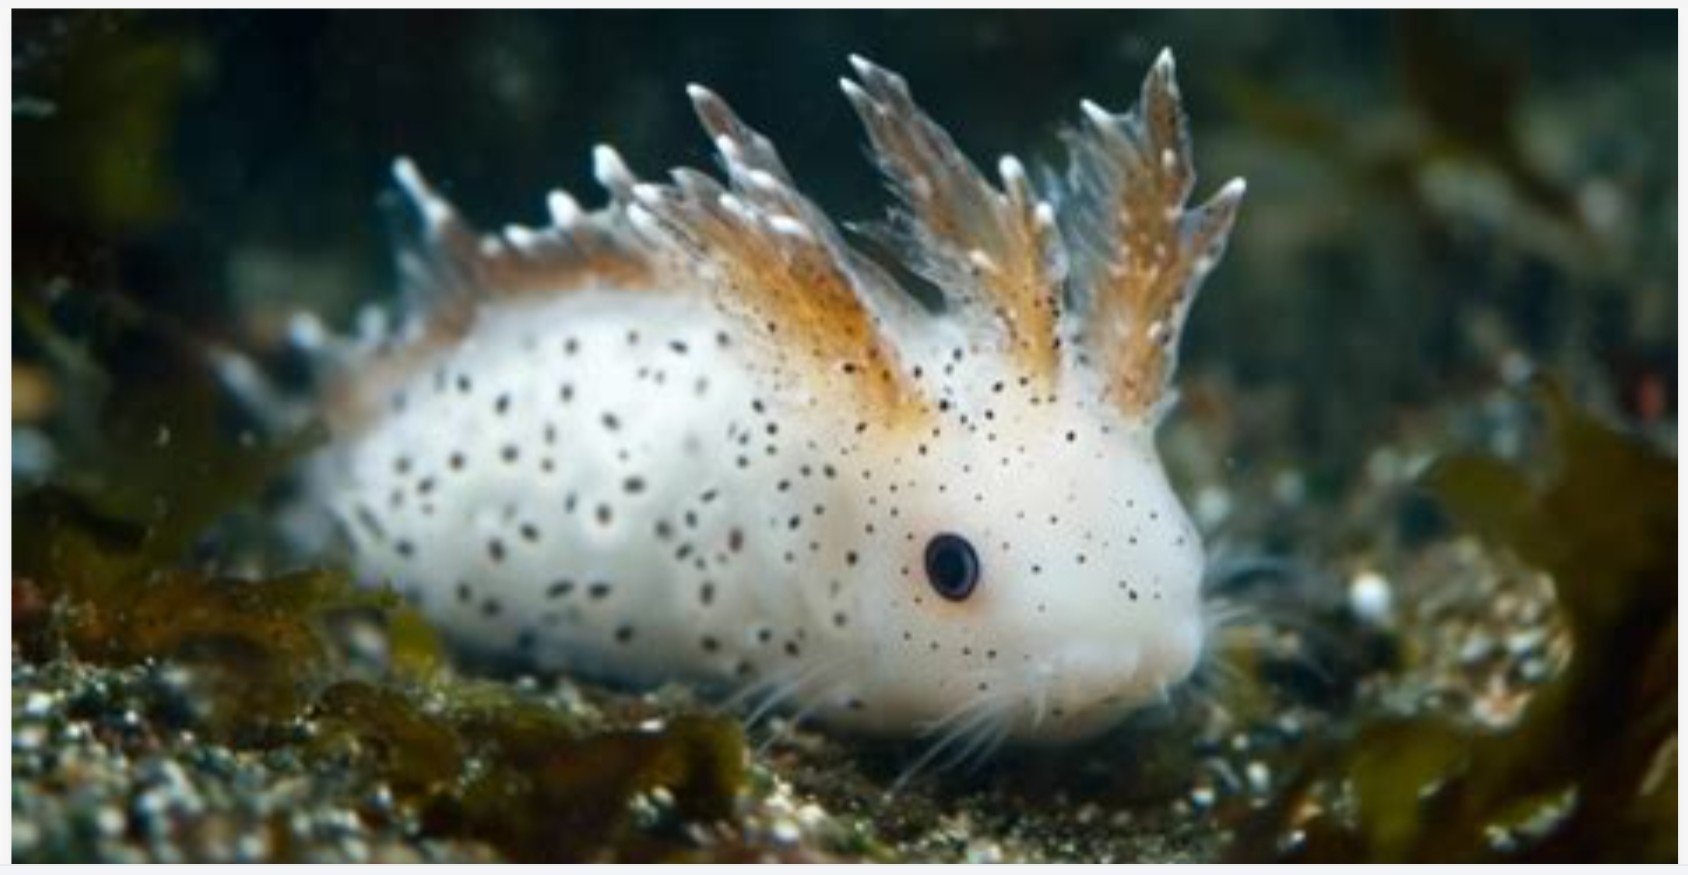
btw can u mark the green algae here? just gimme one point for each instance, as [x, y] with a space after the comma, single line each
[99, 143]
[552, 795]
[1589, 770]
[530, 781]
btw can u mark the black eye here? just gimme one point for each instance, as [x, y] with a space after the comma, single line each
[951, 566]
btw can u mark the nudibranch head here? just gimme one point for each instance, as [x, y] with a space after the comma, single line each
[1044, 600]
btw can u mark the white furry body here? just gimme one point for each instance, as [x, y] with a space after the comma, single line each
[599, 482]
[640, 482]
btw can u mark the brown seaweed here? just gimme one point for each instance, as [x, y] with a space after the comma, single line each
[1589, 771]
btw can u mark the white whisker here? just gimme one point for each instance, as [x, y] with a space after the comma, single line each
[979, 725]
[809, 685]
[989, 742]
[816, 702]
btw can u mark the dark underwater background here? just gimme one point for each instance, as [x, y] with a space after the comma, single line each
[1439, 363]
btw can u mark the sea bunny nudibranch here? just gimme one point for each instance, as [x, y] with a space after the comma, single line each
[694, 434]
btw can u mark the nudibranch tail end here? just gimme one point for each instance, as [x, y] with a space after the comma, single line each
[448, 267]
